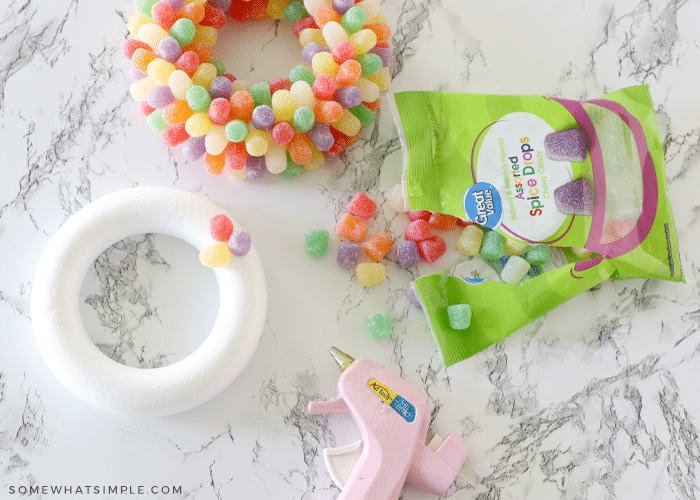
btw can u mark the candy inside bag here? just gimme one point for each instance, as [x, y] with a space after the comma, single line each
[587, 175]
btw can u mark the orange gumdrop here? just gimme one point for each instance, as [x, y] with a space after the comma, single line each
[258, 8]
[381, 30]
[325, 13]
[377, 246]
[374, 105]
[351, 228]
[193, 11]
[203, 51]
[141, 59]
[214, 164]
[328, 111]
[177, 112]
[348, 72]
[300, 149]
[242, 105]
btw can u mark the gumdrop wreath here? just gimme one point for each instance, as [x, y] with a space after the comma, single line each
[279, 126]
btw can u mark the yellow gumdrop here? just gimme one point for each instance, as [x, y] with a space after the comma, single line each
[317, 159]
[160, 70]
[513, 247]
[205, 34]
[179, 82]
[381, 18]
[371, 8]
[311, 35]
[240, 85]
[198, 124]
[215, 255]
[236, 174]
[363, 41]
[139, 88]
[283, 105]
[370, 273]
[368, 89]
[136, 21]
[348, 124]
[334, 33]
[303, 94]
[257, 142]
[276, 158]
[275, 8]
[215, 142]
[152, 34]
[323, 63]
[204, 74]
[382, 79]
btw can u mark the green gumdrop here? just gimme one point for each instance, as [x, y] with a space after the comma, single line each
[364, 114]
[293, 169]
[353, 20]
[301, 72]
[182, 31]
[144, 7]
[236, 130]
[317, 242]
[303, 119]
[379, 325]
[460, 316]
[198, 98]
[220, 70]
[261, 94]
[155, 121]
[294, 11]
[492, 246]
[537, 255]
[370, 63]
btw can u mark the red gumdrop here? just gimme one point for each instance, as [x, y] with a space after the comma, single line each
[235, 155]
[163, 15]
[362, 206]
[230, 77]
[282, 133]
[342, 141]
[303, 23]
[343, 51]
[213, 17]
[239, 10]
[276, 84]
[418, 230]
[146, 109]
[220, 227]
[382, 45]
[131, 45]
[419, 214]
[219, 111]
[324, 87]
[442, 221]
[431, 249]
[174, 135]
[188, 62]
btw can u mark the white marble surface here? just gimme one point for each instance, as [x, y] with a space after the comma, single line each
[597, 400]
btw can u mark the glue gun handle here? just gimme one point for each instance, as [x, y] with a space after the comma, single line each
[336, 405]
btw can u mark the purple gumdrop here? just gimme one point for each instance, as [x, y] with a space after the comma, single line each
[136, 74]
[220, 87]
[169, 49]
[321, 137]
[263, 117]
[348, 254]
[175, 4]
[159, 96]
[224, 5]
[342, 6]
[408, 254]
[194, 148]
[566, 145]
[386, 55]
[413, 298]
[240, 242]
[255, 167]
[574, 198]
[310, 50]
[348, 97]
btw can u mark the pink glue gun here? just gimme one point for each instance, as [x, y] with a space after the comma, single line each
[396, 446]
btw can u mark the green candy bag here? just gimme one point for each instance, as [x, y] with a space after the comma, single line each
[539, 170]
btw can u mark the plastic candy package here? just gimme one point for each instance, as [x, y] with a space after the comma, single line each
[587, 177]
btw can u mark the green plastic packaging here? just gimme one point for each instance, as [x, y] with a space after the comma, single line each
[494, 160]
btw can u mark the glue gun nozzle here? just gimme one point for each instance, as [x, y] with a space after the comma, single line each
[343, 360]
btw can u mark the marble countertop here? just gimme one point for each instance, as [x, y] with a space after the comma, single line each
[597, 399]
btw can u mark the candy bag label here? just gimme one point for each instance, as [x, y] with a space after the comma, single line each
[482, 204]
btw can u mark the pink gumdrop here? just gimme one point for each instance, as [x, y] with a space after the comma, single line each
[163, 15]
[188, 62]
[175, 135]
[220, 227]
[343, 51]
[419, 214]
[219, 111]
[282, 133]
[324, 87]
[362, 206]
[418, 230]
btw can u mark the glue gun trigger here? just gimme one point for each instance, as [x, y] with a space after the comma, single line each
[333, 406]
[433, 442]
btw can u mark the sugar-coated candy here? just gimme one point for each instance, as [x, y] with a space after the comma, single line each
[349, 97]
[236, 130]
[566, 145]
[214, 17]
[343, 51]
[515, 270]
[179, 82]
[283, 105]
[282, 133]
[513, 247]
[419, 214]
[204, 75]
[182, 31]
[141, 58]
[216, 141]
[303, 94]
[311, 35]
[441, 221]
[188, 62]
[174, 135]
[351, 228]
[236, 155]
[303, 119]
[317, 158]
[310, 50]
[163, 14]
[312, 5]
[240, 242]
[220, 87]
[293, 169]
[537, 255]
[370, 63]
[492, 246]
[242, 105]
[255, 167]
[349, 254]
[300, 149]
[239, 10]
[328, 112]
[320, 136]
[417, 230]
[194, 11]
[145, 109]
[379, 325]
[342, 6]
[414, 299]
[353, 20]
[325, 13]
[194, 148]
[275, 158]
[159, 96]
[307, 22]
[316, 242]
[301, 73]
[215, 255]
[155, 121]
[130, 46]
[214, 164]
[263, 117]
[239, 84]
[384, 54]
[278, 84]
[370, 273]
[275, 8]
[220, 227]
[323, 64]
[324, 87]
[381, 29]
[363, 114]
[362, 206]
[294, 11]
[152, 34]
[169, 49]
[470, 239]
[145, 6]
[256, 142]
[408, 254]
[363, 41]
[459, 316]
[348, 72]
[347, 123]
[374, 105]
[377, 246]
[370, 90]
[219, 111]
[223, 5]
[198, 98]
[432, 248]
[574, 198]
[261, 93]
[334, 33]
[396, 198]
